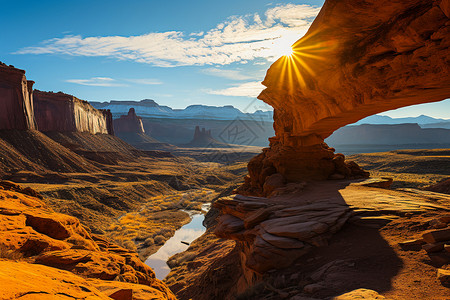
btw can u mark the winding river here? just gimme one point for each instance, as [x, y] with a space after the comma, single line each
[188, 233]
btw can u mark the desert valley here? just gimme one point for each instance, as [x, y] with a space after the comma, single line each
[320, 198]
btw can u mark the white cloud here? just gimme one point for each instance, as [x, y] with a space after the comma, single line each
[248, 89]
[145, 81]
[96, 81]
[228, 74]
[110, 82]
[239, 39]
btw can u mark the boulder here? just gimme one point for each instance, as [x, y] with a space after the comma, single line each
[439, 235]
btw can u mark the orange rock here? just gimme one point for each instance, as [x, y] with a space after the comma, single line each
[27, 281]
[353, 62]
[29, 228]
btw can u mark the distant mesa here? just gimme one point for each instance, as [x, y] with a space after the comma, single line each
[203, 139]
[129, 123]
[130, 129]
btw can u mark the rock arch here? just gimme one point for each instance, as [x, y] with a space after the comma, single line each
[357, 59]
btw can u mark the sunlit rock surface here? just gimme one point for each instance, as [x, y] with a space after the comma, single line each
[32, 232]
[16, 99]
[66, 113]
[357, 59]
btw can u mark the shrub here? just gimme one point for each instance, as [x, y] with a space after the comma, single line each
[159, 239]
[149, 241]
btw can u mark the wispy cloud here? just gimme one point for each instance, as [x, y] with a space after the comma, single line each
[145, 81]
[247, 89]
[239, 39]
[228, 74]
[111, 82]
[97, 81]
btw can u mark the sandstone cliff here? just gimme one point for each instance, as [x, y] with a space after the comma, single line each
[355, 61]
[66, 113]
[16, 99]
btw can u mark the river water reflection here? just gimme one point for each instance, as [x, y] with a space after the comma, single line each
[174, 245]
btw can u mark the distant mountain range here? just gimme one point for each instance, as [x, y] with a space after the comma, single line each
[150, 109]
[421, 120]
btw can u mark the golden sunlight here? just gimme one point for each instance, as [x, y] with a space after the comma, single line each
[283, 47]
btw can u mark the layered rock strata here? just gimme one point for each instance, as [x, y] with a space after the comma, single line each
[275, 233]
[16, 99]
[66, 113]
[274, 236]
[355, 61]
[31, 230]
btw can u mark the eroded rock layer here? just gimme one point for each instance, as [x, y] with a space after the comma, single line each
[29, 229]
[16, 99]
[66, 113]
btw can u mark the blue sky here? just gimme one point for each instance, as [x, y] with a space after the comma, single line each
[175, 52]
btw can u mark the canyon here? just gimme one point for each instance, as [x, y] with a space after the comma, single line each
[298, 221]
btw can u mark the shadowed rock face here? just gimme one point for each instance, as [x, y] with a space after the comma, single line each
[16, 99]
[357, 59]
[129, 123]
[66, 113]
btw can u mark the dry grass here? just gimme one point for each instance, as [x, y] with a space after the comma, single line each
[408, 168]
[148, 228]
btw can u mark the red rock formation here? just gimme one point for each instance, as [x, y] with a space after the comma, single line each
[356, 60]
[16, 99]
[129, 123]
[66, 113]
[203, 139]
[30, 229]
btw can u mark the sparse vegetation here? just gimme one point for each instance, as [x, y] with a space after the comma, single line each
[408, 168]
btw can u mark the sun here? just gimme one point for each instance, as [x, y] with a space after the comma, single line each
[283, 48]
[286, 50]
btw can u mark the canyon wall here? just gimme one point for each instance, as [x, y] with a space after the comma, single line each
[129, 123]
[16, 99]
[357, 59]
[66, 113]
